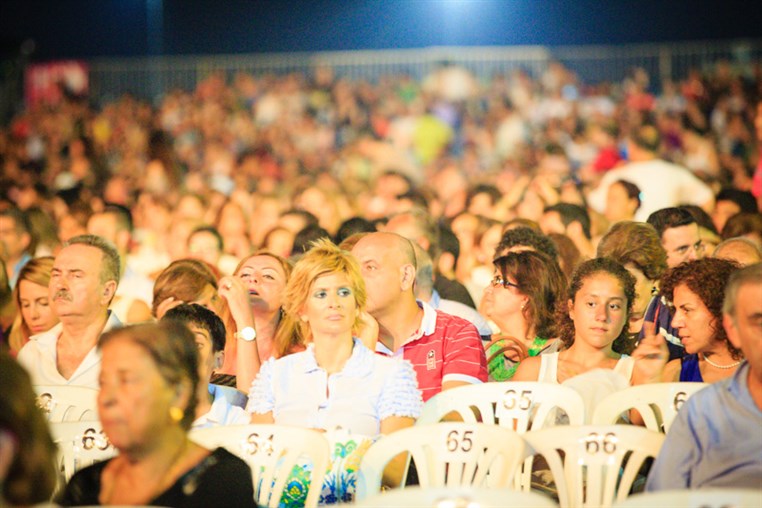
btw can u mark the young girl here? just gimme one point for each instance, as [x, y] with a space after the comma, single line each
[601, 294]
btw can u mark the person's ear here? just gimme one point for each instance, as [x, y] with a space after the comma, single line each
[182, 394]
[570, 307]
[219, 359]
[109, 288]
[730, 328]
[407, 277]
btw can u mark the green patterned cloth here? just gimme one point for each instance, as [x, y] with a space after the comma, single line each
[503, 369]
[340, 481]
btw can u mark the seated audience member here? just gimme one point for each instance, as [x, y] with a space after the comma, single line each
[679, 235]
[525, 238]
[730, 202]
[418, 226]
[35, 314]
[27, 452]
[262, 329]
[17, 242]
[326, 293]
[424, 291]
[133, 296]
[741, 250]
[216, 405]
[147, 403]
[715, 441]
[600, 298]
[570, 220]
[351, 226]
[337, 383]
[205, 244]
[636, 246]
[521, 301]
[445, 350]
[83, 281]
[622, 201]
[569, 255]
[194, 281]
[696, 290]
[709, 235]
[747, 225]
[304, 239]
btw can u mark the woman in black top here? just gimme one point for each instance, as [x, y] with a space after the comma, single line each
[146, 404]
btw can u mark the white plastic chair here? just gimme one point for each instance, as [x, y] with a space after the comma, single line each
[703, 498]
[456, 497]
[657, 403]
[447, 454]
[67, 403]
[80, 444]
[599, 462]
[272, 451]
[519, 406]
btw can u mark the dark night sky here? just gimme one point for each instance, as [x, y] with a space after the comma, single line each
[92, 28]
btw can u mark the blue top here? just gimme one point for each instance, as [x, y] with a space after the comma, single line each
[689, 370]
[715, 441]
[664, 326]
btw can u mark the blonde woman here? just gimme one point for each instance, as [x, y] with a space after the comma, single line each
[35, 315]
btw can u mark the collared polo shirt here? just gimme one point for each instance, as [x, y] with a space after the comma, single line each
[444, 348]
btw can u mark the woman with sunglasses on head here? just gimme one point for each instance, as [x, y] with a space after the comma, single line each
[521, 301]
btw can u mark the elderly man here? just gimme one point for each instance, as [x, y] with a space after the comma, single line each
[445, 350]
[716, 441]
[83, 281]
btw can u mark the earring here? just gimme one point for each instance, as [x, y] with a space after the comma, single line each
[523, 305]
[176, 414]
[654, 291]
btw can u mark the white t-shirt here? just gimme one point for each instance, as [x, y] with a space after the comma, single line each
[662, 185]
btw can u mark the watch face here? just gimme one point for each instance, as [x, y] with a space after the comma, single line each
[248, 333]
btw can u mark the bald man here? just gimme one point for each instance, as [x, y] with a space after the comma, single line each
[739, 249]
[445, 350]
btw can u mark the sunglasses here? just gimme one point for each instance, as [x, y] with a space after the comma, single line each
[498, 280]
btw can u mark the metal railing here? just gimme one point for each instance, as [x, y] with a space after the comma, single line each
[150, 77]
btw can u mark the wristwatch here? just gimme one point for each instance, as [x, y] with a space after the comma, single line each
[247, 333]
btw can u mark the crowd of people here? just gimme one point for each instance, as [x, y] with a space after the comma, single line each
[318, 252]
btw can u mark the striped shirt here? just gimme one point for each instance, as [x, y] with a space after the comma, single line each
[444, 348]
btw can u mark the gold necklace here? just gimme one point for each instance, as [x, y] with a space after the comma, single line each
[717, 366]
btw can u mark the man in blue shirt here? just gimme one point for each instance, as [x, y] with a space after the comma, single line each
[716, 440]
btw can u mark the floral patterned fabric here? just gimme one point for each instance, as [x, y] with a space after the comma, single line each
[340, 481]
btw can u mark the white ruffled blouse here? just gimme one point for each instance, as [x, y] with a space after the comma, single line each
[367, 390]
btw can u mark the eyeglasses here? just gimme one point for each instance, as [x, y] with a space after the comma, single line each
[497, 281]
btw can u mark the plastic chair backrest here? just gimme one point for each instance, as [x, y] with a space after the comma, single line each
[519, 406]
[67, 403]
[80, 444]
[703, 498]
[416, 497]
[657, 403]
[594, 465]
[447, 454]
[272, 451]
